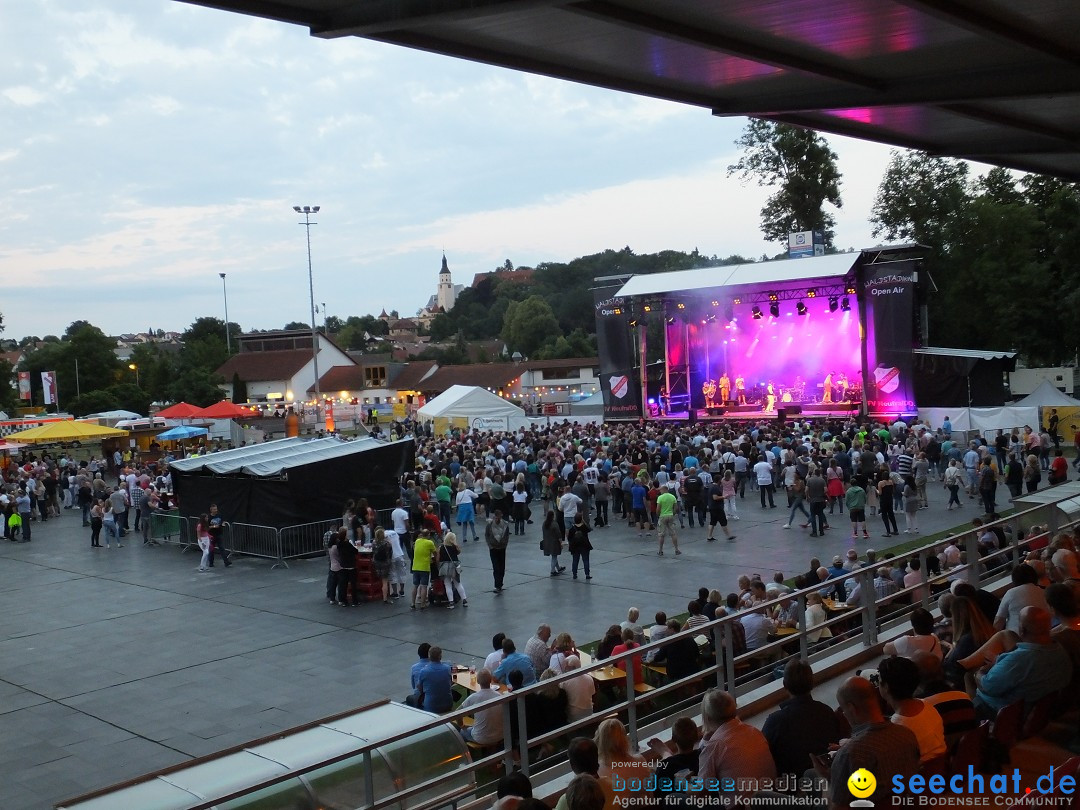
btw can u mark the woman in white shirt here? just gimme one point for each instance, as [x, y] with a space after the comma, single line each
[815, 615]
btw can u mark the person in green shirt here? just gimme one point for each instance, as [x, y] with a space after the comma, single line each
[667, 506]
[443, 494]
[855, 499]
[423, 548]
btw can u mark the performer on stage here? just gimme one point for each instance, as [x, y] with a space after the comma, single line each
[841, 387]
[709, 390]
[740, 389]
[826, 388]
[725, 388]
[664, 401]
[770, 397]
[798, 390]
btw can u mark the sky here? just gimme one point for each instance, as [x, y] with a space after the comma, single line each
[149, 145]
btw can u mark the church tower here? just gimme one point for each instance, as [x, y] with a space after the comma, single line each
[445, 295]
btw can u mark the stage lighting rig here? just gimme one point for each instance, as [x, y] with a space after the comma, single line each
[845, 305]
[736, 301]
[647, 308]
[774, 309]
[756, 313]
[800, 308]
[715, 303]
[849, 290]
[834, 303]
[811, 293]
[680, 305]
[774, 296]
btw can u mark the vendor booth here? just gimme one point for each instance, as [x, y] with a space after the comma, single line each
[292, 481]
[469, 407]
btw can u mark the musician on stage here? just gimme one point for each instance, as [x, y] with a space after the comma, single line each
[709, 390]
[740, 389]
[725, 388]
[841, 387]
[770, 397]
[665, 401]
[826, 388]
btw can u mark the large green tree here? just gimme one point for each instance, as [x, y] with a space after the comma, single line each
[802, 167]
[921, 199]
[528, 325]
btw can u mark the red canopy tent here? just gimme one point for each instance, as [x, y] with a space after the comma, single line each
[181, 410]
[222, 410]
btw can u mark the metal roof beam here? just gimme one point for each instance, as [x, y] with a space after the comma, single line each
[1011, 29]
[281, 12]
[541, 67]
[1071, 140]
[752, 49]
[375, 17]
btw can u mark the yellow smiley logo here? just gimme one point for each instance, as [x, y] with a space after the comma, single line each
[862, 783]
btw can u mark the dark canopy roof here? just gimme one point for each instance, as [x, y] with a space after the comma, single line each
[991, 80]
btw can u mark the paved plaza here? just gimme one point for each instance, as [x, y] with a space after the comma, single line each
[118, 662]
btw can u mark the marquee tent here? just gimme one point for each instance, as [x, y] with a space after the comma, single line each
[292, 481]
[1047, 396]
[471, 407]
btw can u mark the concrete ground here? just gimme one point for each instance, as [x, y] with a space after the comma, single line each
[118, 662]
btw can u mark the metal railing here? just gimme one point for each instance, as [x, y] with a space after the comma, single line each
[856, 632]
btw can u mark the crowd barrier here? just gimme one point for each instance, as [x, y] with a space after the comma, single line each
[857, 632]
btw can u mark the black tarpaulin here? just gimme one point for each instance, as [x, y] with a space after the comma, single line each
[292, 481]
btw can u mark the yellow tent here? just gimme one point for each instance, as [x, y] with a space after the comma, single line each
[66, 430]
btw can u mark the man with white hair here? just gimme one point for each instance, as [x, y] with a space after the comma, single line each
[733, 750]
[579, 691]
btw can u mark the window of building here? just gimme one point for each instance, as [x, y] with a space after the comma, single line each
[562, 373]
[375, 376]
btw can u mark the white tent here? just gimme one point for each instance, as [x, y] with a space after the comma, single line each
[1047, 396]
[982, 420]
[589, 410]
[469, 407]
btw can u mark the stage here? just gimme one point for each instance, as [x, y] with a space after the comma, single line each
[751, 413]
[828, 336]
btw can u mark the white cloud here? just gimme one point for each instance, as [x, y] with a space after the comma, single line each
[23, 96]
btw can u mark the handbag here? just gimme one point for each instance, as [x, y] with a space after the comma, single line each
[447, 568]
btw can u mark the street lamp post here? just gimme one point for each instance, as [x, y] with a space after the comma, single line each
[225, 293]
[135, 368]
[307, 211]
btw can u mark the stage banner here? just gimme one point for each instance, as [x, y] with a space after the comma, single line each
[24, 385]
[890, 301]
[48, 385]
[615, 344]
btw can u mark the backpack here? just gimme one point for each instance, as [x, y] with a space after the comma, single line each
[382, 552]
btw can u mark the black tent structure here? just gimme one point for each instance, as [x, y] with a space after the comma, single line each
[292, 481]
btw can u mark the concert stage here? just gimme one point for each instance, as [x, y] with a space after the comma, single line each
[821, 336]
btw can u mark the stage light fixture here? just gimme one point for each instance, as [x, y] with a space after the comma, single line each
[834, 303]
[736, 301]
[616, 311]
[669, 319]
[680, 305]
[850, 290]
[647, 308]
[845, 305]
[800, 308]
[811, 293]
[633, 323]
[774, 296]
[710, 318]
[715, 303]
[774, 309]
[756, 313]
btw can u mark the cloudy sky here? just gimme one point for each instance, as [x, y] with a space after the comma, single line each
[149, 146]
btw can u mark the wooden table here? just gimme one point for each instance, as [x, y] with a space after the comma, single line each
[836, 607]
[465, 681]
[608, 674]
[785, 631]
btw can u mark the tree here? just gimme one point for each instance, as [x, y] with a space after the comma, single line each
[297, 326]
[334, 324]
[528, 324]
[802, 166]
[920, 199]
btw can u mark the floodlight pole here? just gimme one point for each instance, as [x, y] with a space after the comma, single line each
[228, 337]
[307, 211]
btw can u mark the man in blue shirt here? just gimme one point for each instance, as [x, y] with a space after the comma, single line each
[434, 691]
[1037, 667]
[417, 669]
[513, 660]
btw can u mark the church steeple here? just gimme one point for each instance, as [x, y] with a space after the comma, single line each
[445, 295]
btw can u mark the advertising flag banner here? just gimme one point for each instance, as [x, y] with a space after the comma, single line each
[619, 379]
[24, 385]
[48, 385]
[890, 296]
